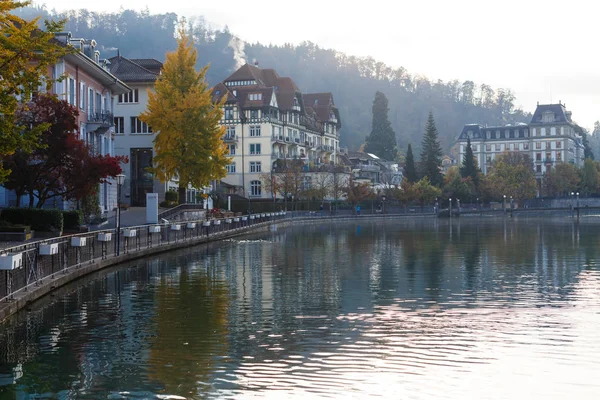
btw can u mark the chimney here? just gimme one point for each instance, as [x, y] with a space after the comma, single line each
[256, 63]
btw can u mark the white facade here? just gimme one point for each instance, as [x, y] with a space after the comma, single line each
[549, 139]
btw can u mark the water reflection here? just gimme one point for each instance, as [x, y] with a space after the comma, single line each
[430, 309]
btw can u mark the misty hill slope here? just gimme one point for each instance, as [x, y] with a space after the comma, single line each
[352, 80]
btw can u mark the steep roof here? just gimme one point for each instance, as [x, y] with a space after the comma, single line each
[560, 113]
[151, 64]
[129, 71]
[322, 103]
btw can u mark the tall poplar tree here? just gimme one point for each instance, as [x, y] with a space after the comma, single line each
[26, 53]
[469, 166]
[410, 171]
[431, 154]
[382, 140]
[188, 143]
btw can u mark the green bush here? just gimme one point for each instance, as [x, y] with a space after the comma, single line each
[38, 219]
[72, 219]
[171, 196]
[167, 204]
[6, 226]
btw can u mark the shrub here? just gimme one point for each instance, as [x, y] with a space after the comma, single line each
[8, 227]
[171, 195]
[39, 219]
[72, 219]
[167, 204]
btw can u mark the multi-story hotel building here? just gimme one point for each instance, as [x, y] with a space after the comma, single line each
[550, 138]
[267, 118]
[87, 84]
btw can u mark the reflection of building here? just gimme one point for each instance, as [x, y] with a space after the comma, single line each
[134, 138]
[267, 118]
[90, 86]
[549, 139]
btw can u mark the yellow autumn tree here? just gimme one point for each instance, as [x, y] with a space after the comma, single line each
[188, 144]
[26, 53]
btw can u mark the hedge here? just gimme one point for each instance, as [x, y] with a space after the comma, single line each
[171, 196]
[72, 219]
[41, 220]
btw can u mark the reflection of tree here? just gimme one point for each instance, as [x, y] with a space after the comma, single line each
[191, 328]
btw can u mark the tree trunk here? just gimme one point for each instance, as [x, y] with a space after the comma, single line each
[19, 194]
[182, 195]
[30, 200]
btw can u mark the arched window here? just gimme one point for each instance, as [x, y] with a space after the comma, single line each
[255, 188]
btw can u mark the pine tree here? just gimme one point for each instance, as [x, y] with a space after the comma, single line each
[188, 143]
[431, 154]
[382, 140]
[410, 171]
[469, 166]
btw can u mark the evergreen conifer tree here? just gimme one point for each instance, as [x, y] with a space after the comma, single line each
[469, 165]
[382, 140]
[410, 171]
[431, 154]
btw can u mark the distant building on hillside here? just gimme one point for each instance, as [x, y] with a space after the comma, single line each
[549, 139]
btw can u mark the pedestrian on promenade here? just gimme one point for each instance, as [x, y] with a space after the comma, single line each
[358, 210]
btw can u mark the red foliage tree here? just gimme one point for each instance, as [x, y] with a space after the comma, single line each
[63, 165]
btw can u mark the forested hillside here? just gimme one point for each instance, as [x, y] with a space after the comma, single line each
[352, 80]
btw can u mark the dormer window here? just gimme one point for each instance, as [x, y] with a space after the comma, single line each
[254, 96]
[548, 117]
[217, 92]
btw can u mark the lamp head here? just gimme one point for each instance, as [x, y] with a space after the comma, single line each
[120, 179]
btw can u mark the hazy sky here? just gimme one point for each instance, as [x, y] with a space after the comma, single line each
[543, 50]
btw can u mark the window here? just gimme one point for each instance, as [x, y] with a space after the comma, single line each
[538, 168]
[488, 159]
[82, 96]
[307, 183]
[228, 113]
[230, 132]
[231, 168]
[255, 166]
[254, 96]
[255, 188]
[548, 157]
[538, 145]
[253, 114]
[231, 149]
[255, 148]
[558, 156]
[497, 147]
[71, 91]
[131, 97]
[548, 144]
[538, 156]
[525, 146]
[91, 101]
[475, 148]
[558, 144]
[254, 131]
[137, 126]
[119, 124]
[488, 147]
[515, 146]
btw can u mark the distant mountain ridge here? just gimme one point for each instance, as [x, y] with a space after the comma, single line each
[352, 80]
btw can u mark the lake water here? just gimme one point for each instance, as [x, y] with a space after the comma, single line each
[423, 309]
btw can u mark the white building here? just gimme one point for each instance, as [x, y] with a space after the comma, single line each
[267, 118]
[550, 138]
[134, 138]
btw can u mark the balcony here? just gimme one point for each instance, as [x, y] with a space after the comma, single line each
[275, 155]
[367, 167]
[230, 138]
[278, 138]
[99, 119]
[326, 148]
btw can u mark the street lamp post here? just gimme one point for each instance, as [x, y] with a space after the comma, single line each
[577, 196]
[458, 206]
[120, 181]
[383, 206]
[504, 204]
[478, 203]
[249, 194]
[450, 206]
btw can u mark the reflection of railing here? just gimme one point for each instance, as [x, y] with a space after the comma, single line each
[101, 117]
